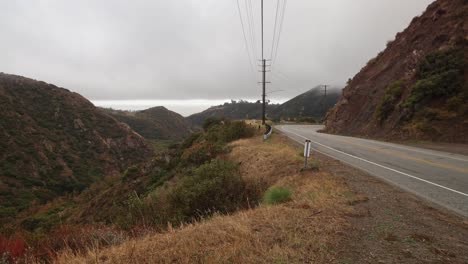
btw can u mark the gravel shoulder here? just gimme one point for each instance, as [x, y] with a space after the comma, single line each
[393, 226]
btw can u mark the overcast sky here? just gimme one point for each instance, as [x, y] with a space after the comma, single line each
[188, 49]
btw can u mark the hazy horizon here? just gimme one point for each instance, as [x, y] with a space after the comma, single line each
[171, 50]
[188, 106]
[182, 107]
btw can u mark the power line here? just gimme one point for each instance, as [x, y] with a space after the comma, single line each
[245, 39]
[280, 30]
[274, 30]
[251, 23]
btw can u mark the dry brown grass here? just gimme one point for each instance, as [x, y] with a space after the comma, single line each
[304, 230]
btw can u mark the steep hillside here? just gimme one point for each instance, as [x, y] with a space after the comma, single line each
[54, 142]
[154, 123]
[312, 103]
[416, 88]
[233, 110]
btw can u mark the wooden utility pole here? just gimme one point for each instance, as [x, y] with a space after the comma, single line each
[263, 75]
[263, 93]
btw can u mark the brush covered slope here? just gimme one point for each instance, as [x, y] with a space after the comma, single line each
[54, 142]
[286, 232]
[170, 186]
[313, 103]
[155, 123]
[417, 87]
[235, 110]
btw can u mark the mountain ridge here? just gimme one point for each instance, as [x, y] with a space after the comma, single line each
[155, 123]
[55, 142]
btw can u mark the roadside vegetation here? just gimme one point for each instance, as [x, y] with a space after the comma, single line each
[183, 183]
[276, 195]
[296, 216]
[440, 76]
[438, 94]
[250, 204]
[391, 97]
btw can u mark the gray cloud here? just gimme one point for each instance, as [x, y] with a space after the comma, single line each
[188, 49]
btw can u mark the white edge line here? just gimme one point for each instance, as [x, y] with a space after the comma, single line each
[433, 152]
[376, 164]
[460, 212]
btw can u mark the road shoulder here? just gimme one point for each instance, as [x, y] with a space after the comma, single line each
[393, 226]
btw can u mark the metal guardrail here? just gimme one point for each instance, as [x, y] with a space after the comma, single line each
[268, 132]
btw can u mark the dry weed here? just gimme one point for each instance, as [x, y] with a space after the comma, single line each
[303, 230]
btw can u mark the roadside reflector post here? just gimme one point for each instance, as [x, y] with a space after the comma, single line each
[306, 152]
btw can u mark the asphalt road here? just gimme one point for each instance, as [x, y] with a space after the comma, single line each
[440, 177]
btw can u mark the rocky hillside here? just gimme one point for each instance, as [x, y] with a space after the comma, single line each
[54, 142]
[417, 87]
[154, 123]
[313, 103]
[233, 110]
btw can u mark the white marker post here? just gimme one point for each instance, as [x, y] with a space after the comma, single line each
[307, 147]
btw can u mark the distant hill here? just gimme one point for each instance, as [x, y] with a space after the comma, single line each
[54, 142]
[312, 103]
[154, 123]
[233, 110]
[417, 88]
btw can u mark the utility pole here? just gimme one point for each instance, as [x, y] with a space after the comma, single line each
[263, 94]
[263, 74]
[324, 98]
[325, 93]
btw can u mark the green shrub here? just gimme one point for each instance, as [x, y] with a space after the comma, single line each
[440, 62]
[439, 85]
[440, 74]
[202, 148]
[211, 121]
[229, 131]
[237, 130]
[215, 186]
[202, 152]
[190, 140]
[392, 95]
[276, 195]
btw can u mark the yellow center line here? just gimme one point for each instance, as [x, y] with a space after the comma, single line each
[404, 156]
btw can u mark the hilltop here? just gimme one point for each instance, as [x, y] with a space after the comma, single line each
[156, 123]
[234, 110]
[313, 103]
[54, 142]
[417, 87]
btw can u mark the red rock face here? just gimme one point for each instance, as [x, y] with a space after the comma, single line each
[442, 26]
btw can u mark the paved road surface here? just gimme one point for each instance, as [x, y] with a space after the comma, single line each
[438, 176]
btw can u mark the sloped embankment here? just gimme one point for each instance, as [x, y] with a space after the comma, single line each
[336, 214]
[304, 229]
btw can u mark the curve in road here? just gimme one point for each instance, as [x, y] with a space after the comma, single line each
[440, 177]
